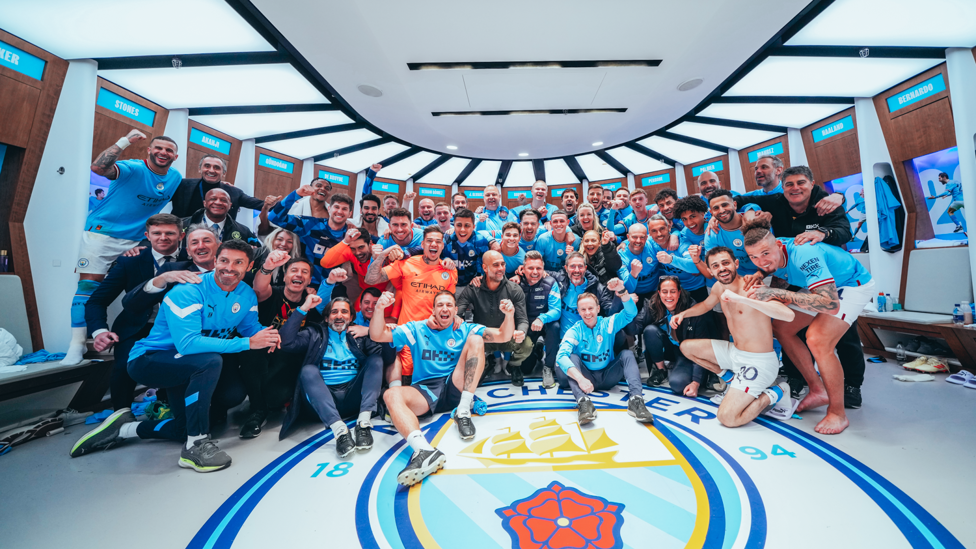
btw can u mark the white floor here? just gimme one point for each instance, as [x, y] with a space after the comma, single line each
[919, 436]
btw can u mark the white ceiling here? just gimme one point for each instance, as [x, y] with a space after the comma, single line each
[557, 173]
[306, 147]
[798, 115]
[508, 30]
[247, 126]
[521, 174]
[828, 76]
[735, 138]
[595, 168]
[446, 173]
[405, 168]
[360, 160]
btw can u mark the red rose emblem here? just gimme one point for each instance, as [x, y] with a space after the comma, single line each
[557, 517]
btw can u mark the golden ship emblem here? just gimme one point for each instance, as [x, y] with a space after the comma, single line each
[548, 442]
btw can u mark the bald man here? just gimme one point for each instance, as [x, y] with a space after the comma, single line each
[483, 303]
[708, 183]
[426, 218]
[215, 214]
[493, 216]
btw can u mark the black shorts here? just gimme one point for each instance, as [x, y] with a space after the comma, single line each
[441, 394]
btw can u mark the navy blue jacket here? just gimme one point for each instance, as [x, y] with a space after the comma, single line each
[138, 299]
[126, 274]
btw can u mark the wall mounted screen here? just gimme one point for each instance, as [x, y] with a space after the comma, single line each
[939, 176]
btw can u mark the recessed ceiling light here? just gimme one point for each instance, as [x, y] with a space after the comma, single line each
[690, 84]
[598, 143]
[371, 91]
[523, 154]
[452, 147]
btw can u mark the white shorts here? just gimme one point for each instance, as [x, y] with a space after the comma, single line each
[754, 372]
[99, 251]
[852, 301]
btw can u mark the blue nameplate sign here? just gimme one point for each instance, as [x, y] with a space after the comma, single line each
[116, 103]
[276, 163]
[843, 125]
[474, 194]
[776, 148]
[432, 192]
[336, 178]
[21, 61]
[711, 167]
[654, 180]
[386, 187]
[559, 192]
[611, 186]
[515, 194]
[930, 87]
[206, 140]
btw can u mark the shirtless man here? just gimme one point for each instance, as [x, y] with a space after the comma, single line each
[749, 366]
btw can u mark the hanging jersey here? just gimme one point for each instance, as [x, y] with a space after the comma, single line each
[203, 318]
[553, 252]
[339, 365]
[418, 283]
[646, 279]
[594, 345]
[813, 265]
[467, 255]
[435, 352]
[136, 195]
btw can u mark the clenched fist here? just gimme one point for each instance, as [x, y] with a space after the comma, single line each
[506, 307]
[385, 300]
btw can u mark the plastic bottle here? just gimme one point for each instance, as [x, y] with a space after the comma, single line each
[895, 306]
[888, 303]
[967, 314]
[957, 316]
[902, 356]
[4, 261]
[881, 302]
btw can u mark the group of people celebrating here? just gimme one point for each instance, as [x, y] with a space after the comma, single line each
[397, 317]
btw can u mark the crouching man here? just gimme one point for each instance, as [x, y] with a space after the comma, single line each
[448, 362]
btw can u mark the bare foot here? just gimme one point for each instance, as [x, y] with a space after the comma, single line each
[832, 424]
[813, 400]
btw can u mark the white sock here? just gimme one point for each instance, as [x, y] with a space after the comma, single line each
[190, 439]
[774, 393]
[364, 419]
[395, 383]
[128, 430]
[77, 347]
[417, 441]
[339, 428]
[464, 407]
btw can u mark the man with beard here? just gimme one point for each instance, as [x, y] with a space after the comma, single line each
[214, 214]
[270, 379]
[539, 194]
[639, 262]
[317, 234]
[403, 235]
[767, 171]
[465, 248]
[708, 183]
[665, 200]
[542, 307]
[728, 235]
[417, 280]
[595, 196]
[426, 217]
[191, 193]
[494, 216]
[139, 191]
[341, 373]
[183, 354]
[483, 301]
[573, 282]
[569, 199]
[607, 199]
[369, 211]
[390, 203]
[450, 359]
[355, 250]
[749, 365]
[459, 202]
[442, 217]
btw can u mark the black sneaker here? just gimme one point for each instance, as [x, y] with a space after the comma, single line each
[344, 444]
[364, 437]
[252, 427]
[852, 397]
[958, 229]
[796, 386]
[422, 464]
[636, 408]
[105, 435]
[548, 378]
[716, 383]
[204, 457]
[658, 377]
[465, 427]
[587, 412]
[517, 378]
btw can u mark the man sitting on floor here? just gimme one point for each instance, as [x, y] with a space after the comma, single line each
[448, 362]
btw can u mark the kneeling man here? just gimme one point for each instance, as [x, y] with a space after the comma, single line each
[586, 359]
[448, 362]
[749, 365]
[341, 373]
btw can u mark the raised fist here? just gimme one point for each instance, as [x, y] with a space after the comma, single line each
[271, 200]
[608, 237]
[276, 259]
[396, 254]
[305, 190]
[506, 306]
[664, 257]
[311, 301]
[615, 285]
[635, 267]
[482, 218]
[337, 275]
[694, 252]
[351, 235]
[449, 264]
[385, 300]
[377, 167]
[409, 196]
[135, 136]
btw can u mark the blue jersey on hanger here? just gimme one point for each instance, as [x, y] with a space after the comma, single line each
[203, 318]
[594, 345]
[339, 365]
[553, 252]
[136, 195]
[467, 255]
[435, 352]
[813, 265]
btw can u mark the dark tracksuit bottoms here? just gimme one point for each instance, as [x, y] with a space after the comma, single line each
[623, 367]
[334, 402]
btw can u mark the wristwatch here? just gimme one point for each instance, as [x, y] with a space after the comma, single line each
[826, 232]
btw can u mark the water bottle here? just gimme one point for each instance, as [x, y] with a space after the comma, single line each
[902, 357]
[967, 314]
[881, 302]
[895, 306]
[888, 305]
[957, 316]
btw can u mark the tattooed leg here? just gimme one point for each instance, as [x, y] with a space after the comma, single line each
[467, 374]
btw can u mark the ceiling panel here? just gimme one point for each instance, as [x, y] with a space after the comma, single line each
[247, 126]
[943, 23]
[595, 168]
[735, 138]
[72, 29]
[483, 175]
[307, 147]
[276, 84]
[558, 173]
[520, 175]
[360, 160]
[446, 173]
[682, 152]
[791, 116]
[637, 161]
[828, 76]
[404, 169]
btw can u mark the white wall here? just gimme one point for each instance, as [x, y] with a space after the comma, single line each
[679, 180]
[178, 127]
[59, 204]
[736, 182]
[798, 153]
[244, 180]
[962, 82]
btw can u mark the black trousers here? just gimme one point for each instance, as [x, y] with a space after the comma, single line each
[849, 351]
[269, 378]
[550, 335]
[121, 385]
[334, 402]
[658, 347]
